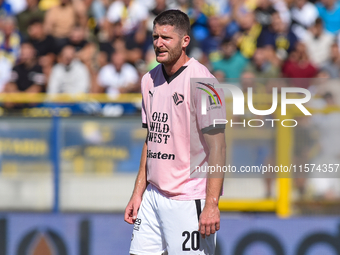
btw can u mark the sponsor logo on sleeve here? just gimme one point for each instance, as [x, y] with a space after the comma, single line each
[213, 97]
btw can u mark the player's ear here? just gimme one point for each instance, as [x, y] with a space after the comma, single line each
[185, 41]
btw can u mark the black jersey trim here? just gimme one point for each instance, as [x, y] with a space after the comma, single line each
[170, 78]
[198, 208]
[144, 125]
[211, 127]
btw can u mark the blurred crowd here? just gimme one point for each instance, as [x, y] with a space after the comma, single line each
[105, 46]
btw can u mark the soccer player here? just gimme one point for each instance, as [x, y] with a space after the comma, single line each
[173, 213]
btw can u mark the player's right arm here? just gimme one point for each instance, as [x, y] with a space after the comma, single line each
[140, 185]
[141, 181]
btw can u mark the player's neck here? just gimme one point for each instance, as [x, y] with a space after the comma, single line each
[171, 69]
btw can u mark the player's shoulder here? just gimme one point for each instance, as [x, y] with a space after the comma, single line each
[155, 70]
[198, 69]
[152, 73]
[148, 78]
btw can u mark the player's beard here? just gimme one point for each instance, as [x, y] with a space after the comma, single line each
[173, 55]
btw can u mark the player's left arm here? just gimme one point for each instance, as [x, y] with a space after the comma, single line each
[209, 221]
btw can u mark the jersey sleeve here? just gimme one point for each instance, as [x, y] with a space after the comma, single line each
[210, 108]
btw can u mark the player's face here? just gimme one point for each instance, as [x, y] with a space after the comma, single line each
[167, 43]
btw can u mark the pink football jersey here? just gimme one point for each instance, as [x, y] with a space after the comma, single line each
[172, 114]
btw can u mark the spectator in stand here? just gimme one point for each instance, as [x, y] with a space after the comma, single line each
[17, 6]
[5, 72]
[85, 50]
[282, 8]
[9, 39]
[27, 75]
[149, 4]
[261, 66]
[112, 38]
[278, 37]
[329, 11]
[46, 5]
[59, 22]
[298, 65]
[332, 66]
[77, 38]
[5, 9]
[303, 14]
[182, 5]
[32, 12]
[81, 8]
[247, 36]
[43, 44]
[132, 14]
[321, 85]
[106, 36]
[211, 44]
[233, 62]
[232, 14]
[220, 76]
[248, 80]
[263, 12]
[118, 76]
[199, 14]
[318, 43]
[70, 75]
[98, 10]
[160, 6]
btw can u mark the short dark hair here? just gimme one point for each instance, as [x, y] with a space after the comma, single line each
[227, 40]
[318, 21]
[27, 43]
[175, 18]
[34, 21]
